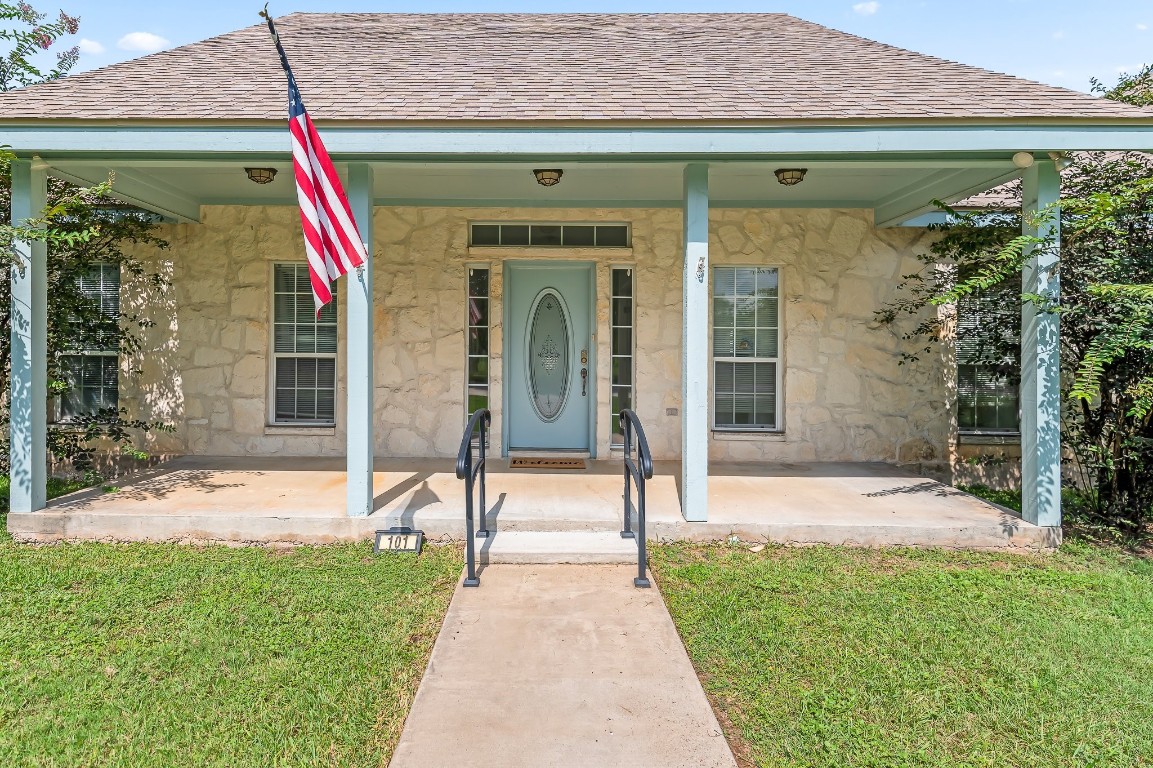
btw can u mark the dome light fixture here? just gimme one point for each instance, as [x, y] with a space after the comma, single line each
[790, 177]
[261, 175]
[1023, 160]
[548, 177]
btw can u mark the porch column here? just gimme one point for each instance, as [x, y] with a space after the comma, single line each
[695, 351]
[359, 414]
[29, 374]
[1040, 358]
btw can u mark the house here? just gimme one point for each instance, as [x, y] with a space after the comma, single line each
[695, 216]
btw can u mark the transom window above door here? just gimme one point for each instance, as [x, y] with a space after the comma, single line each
[547, 235]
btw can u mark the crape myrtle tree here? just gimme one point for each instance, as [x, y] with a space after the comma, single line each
[1105, 308]
[83, 227]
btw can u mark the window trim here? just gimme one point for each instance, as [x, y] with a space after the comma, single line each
[961, 359]
[273, 356]
[56, 408]
[779, 360]
[468, 267]
[632, 268]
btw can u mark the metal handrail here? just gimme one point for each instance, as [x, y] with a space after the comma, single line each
[636, 471]
[467, 469]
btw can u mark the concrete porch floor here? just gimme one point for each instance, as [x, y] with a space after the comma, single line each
[301, 500]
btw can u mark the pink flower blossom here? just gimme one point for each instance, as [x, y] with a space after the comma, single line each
[70, 23]
[27, 13]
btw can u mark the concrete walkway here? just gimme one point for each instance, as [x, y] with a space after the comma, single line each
[560, 665]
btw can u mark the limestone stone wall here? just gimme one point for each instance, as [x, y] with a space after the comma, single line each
[205, 368]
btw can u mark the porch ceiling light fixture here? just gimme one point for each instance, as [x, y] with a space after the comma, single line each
[548, 177]
[261, 175]
[791, 176]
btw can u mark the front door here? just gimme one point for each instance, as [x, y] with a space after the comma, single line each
[549, 380]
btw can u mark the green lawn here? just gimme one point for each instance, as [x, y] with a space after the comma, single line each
[165, 655]
[846, 657]
[56, 487]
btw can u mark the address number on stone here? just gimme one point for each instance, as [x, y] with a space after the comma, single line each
[398, 540]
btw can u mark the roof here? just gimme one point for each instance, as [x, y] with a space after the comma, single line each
[545, 67]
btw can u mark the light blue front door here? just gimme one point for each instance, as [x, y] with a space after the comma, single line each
[549, 378]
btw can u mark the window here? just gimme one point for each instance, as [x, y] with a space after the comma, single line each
[303, 351]
[477, 362]
[621, 347]
[93, 371]
[988, 396]
[550, 235]
[746, 348]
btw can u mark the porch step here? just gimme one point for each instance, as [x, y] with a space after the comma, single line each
[545, 547]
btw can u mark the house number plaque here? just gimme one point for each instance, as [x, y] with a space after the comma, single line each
[398, 539]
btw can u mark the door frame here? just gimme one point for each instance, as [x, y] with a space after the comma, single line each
[508, 267]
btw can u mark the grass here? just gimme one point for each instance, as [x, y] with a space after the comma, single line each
[829, 656]
[1080, 521]
[56, 487]
[1006, 498]
[160, 655]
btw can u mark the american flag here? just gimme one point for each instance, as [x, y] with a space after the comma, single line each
[331, 240]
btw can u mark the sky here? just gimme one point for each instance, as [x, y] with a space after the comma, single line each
[1061, 42]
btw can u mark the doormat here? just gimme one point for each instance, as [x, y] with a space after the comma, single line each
[546, 463]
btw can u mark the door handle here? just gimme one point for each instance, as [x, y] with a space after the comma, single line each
[584, 372]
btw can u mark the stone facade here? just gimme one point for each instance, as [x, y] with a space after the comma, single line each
[206, 370]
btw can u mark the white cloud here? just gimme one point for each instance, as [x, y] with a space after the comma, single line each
[142, 41]
[1142, 27]
[867, 9]
[1059, 35]
[90, 46]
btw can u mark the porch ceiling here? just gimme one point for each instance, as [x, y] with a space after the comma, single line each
[896, 190]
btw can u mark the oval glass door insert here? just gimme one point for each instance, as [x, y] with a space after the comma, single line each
[547, 356]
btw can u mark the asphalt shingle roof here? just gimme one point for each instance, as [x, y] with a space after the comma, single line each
[564, 67]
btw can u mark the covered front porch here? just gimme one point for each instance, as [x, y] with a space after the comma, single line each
[870, 181]
[564, 514]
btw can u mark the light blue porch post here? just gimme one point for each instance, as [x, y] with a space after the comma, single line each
[1040, 358]
[359, 348]
[695, 359]
[29, 387]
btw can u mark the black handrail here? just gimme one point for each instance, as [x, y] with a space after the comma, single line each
[637, 470]
[467, 469]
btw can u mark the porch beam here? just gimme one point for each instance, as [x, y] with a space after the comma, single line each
[695, 347]
[1003, 162]
[917, 199]
[28, 408]
[136, 189]
[504, 202]
[358, 357]
[1040, 354]
[361, 144]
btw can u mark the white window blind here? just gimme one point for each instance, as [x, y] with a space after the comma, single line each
[304, 350]
[746, 348]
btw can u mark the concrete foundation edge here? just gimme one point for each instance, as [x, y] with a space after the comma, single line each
[47, 527]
